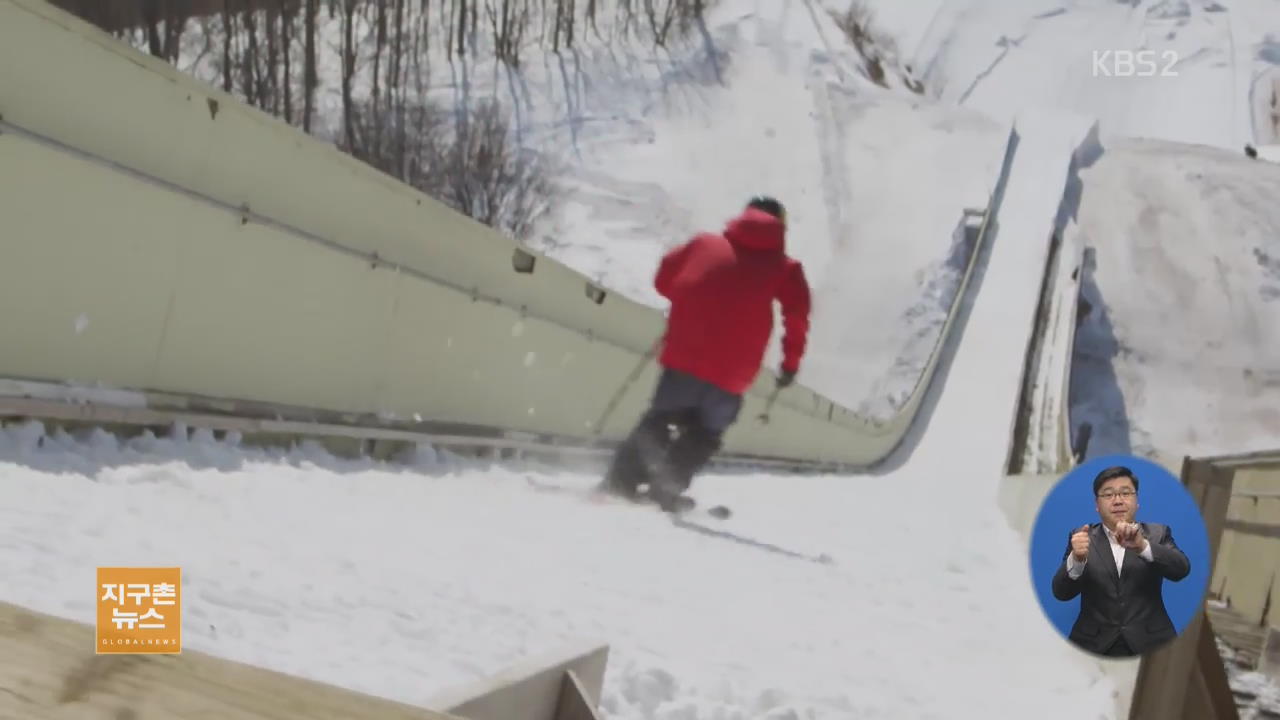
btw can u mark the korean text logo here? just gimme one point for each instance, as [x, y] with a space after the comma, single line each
[139, 610]
[1130, 63]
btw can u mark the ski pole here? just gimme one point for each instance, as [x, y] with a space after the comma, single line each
[764, 416]
[622, 389]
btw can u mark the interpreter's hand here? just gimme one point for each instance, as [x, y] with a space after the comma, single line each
[785, 378]
[1080, 543]
[1130, 536]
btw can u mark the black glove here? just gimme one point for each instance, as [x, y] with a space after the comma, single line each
[785, 378]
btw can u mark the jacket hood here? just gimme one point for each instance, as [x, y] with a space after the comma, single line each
[757, 230]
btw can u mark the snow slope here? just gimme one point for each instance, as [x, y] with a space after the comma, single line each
[998, 57]
[1180, 354]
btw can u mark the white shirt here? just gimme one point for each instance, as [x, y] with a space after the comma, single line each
[1076, 568]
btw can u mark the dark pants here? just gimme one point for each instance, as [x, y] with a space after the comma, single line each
[697, 411]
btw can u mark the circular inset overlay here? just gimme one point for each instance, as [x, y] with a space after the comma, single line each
[1120, 556]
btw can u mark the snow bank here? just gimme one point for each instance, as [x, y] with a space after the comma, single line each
[1269, 152]
[1178, 353]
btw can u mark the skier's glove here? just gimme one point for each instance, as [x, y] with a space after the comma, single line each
[785, 378]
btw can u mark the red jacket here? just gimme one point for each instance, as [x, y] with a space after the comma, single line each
[722, 289]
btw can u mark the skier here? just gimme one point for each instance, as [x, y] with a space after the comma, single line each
[722, 288]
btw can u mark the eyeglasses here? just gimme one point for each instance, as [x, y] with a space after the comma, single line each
[1108, 494]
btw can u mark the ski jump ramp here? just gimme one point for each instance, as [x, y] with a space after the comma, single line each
[982, 385]
[188, 253]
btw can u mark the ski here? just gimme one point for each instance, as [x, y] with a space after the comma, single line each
[687, 524]
[685, 518]
[685, 506]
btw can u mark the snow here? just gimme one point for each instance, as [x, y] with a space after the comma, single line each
[999, 57]
[1179, 355]
[405, 581]
[70, 392]
[1260, 692]
[892, 268]
[1269, 152]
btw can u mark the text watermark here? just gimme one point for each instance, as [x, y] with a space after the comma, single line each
[1134, 63]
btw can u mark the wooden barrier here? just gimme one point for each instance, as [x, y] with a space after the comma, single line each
[564, 685]
[1186, 679]
[48, 670]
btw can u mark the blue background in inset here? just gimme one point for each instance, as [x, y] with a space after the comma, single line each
[1162, 498]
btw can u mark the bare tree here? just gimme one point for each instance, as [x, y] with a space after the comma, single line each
[150, 11]
[252, 74]
[876, 48]
[177, 14]
[348, 70]
[310, 80]
[557, 26]
[461, 19]
[227, 32]
[591, 18]
[487, 178]
[286, 41]
[570, 10]
[626, 10]
[662, 14]
[380, 44]
[508, 29]
[273, 59]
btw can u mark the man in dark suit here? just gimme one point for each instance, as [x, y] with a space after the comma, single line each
[1118, 568]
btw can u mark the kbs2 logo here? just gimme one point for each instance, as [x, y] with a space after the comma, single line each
[139, 610]
[1129, 63]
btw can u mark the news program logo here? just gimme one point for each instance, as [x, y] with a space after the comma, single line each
[139, 610]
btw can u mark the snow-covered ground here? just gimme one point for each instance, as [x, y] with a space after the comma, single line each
[1256, 692]
[999, 56]
[1180, 353]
